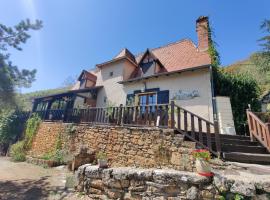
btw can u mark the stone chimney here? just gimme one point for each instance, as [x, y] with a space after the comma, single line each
[202, 31]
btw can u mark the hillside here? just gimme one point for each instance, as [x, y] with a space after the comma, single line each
[25, 100]
[248, 67]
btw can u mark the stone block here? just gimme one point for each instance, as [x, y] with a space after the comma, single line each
[243, 188]
[192, 193]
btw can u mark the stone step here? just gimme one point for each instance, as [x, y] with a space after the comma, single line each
[239, 142]
[247, 157]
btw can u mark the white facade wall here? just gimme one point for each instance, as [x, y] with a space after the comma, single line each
[112, 90]
[188, 81]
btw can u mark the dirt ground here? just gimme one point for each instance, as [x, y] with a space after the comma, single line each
[27, 181]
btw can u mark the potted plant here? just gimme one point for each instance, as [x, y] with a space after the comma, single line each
[102, 160]
[202, 162]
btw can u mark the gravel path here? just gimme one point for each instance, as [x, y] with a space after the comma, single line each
[27, 181]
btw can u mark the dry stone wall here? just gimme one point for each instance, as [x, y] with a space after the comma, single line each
[124, 146]
[165, 184]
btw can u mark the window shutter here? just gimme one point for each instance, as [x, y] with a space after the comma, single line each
[163, 97]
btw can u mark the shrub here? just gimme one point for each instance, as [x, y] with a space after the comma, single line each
[17, 151]
[101, 155]
[12, 124]
[47, 156]
[58, 156]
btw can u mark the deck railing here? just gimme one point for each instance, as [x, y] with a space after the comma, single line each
[196, 128]
[150, 115]
[258, 129]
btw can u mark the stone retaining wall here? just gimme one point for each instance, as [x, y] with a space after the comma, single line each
[124, 146]
[159, 184]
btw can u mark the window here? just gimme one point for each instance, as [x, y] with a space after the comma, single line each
[147, 99]
[105, 99]
[111, 74]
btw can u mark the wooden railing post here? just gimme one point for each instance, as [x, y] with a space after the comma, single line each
[217, 136]
[172, 115]
[120, 115]
[250, 124]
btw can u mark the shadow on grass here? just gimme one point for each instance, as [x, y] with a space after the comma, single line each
[28, 189]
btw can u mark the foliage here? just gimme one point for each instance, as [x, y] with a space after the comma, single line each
[47, 156]
[58, 143]
[17, 151]
[238, 197]
[12, 124]
[202, 153]
[58, 156]
[212, 50]
[265, 117]
[10, 76]
[262, 58]
[70, 129]
[31, 129]
[109, 108]
[241, 88]
[101, 155]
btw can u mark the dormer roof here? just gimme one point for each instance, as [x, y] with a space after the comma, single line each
[87, 75]
[126, 53]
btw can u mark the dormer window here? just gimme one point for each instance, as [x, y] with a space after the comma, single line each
[145, 66]
[149, 64]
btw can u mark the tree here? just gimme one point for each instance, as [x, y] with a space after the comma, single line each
[10, 76]
[262, 58]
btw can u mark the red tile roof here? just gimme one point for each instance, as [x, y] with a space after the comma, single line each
[180, 55]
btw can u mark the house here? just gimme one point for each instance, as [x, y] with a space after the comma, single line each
[169, 86]
[179, 71]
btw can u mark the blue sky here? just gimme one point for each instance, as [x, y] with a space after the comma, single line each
[78, 34]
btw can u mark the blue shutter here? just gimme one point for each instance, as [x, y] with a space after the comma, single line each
[163, 97]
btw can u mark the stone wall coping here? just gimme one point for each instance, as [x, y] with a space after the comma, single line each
[111, 126]
[156, 175]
